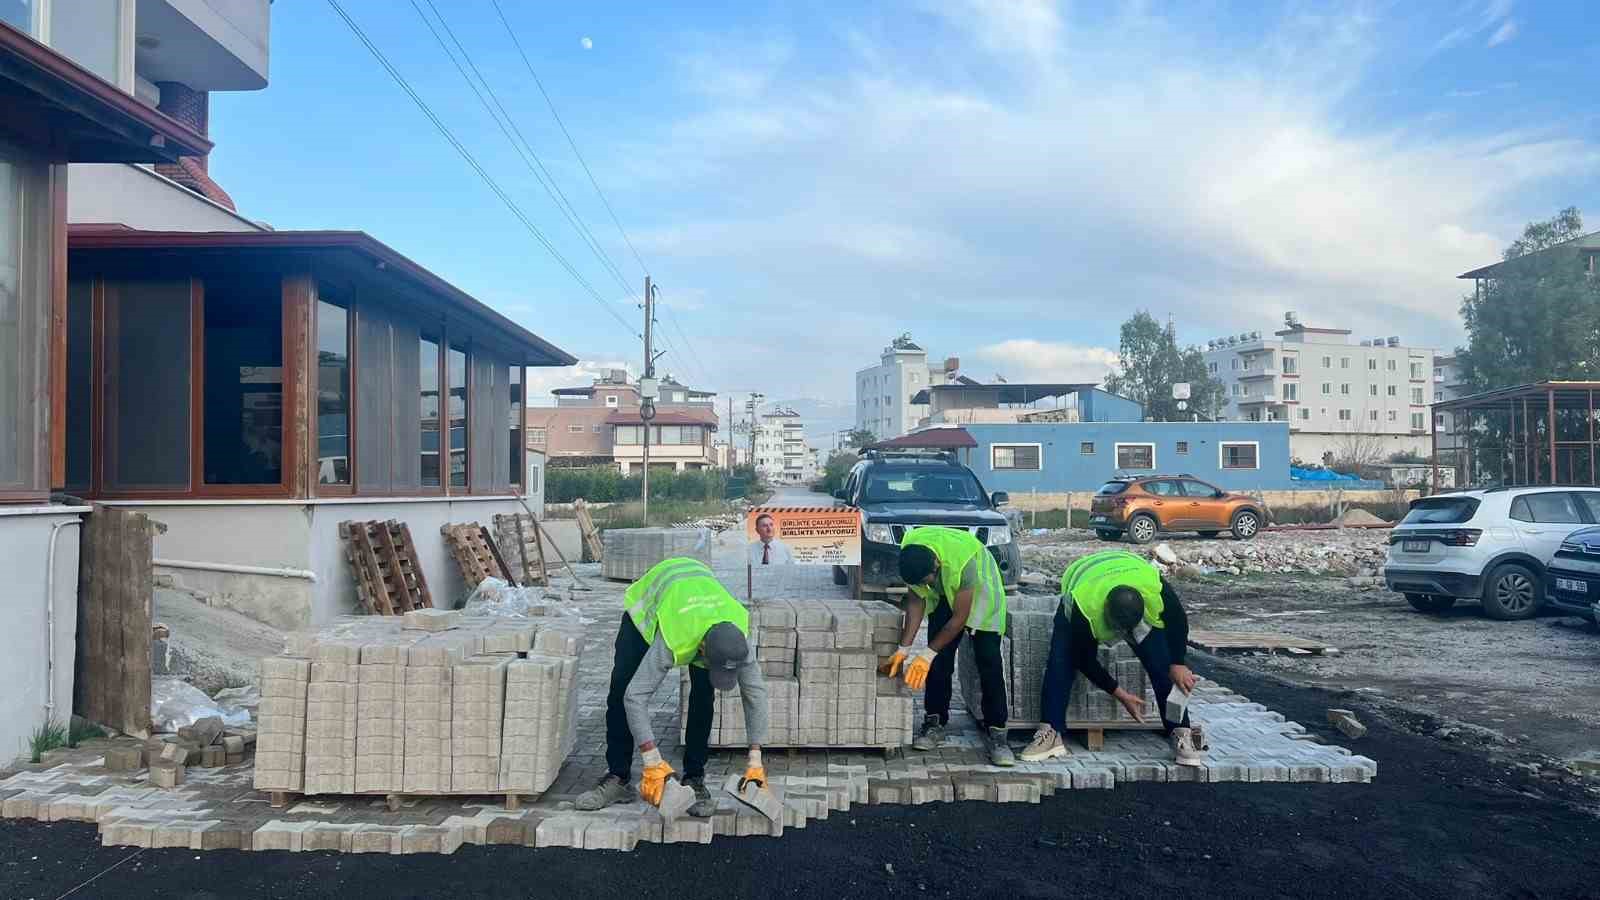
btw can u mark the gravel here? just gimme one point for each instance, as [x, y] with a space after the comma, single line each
[1356, 553]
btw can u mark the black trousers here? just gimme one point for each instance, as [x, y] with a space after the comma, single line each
[630, 651]
[991, 671]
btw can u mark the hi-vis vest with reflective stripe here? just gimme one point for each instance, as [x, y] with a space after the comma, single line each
[680, 599]
[956, 548]
[1090, 580]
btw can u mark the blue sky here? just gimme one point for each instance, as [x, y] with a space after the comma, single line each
[1006, 180]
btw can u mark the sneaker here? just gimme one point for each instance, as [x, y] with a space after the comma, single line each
[1046, 744]
[999, 750]
[1183, 748]
[931, 735]
[1197, 737]
[704, 805]
[610, 791]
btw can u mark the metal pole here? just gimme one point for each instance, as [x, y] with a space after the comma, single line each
[1433, 449]
[1527, 445]
[1550, 423]
[1591, 429]
[730, 434]
[649, 372]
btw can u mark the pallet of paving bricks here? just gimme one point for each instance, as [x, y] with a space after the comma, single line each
[522, 547]
[820, 661]
[475, 553]
[384, 563]
[431, 703]
[630, 552]
[1024, 651]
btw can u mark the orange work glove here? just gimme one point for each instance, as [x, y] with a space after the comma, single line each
[892, 667]
[754, 772]
[654, 780]
[917, 672]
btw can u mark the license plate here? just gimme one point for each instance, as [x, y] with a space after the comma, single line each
[1415, 546]
[1572, 585]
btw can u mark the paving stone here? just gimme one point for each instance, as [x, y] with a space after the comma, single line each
[328, 836]
[124, 759]
[216, 835]
[505, 831]
[376, 839]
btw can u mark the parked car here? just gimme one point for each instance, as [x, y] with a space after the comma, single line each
[1142, 506]
[1572, 580]
[900, 491]
[1490, 544]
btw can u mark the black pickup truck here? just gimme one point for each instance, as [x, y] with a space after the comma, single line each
[900, 491]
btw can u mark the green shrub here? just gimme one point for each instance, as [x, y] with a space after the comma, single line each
[80, 730]
[51, 735]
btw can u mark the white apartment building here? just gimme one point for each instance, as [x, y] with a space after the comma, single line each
[782, 453]
[884, 392]
[1339, 396]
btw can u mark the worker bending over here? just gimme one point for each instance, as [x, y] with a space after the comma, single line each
[1106, 597]
[952, 576]
[677, 615]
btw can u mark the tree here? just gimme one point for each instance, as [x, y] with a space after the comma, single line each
[837, 469]
[1538, 317]
[857, 438]
[1151, 363]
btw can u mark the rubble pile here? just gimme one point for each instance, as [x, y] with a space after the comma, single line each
[1358, 553]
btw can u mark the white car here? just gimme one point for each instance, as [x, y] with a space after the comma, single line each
[1490, 544]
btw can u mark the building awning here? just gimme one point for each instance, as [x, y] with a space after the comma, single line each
[1007, 392]
[68, 113]
[354, 252]
[930, 439]
[663, 417]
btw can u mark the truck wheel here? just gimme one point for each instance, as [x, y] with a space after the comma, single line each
[1246, 522]
[1430, 603]
[1108, 534]
[1142, 528]
[1511, 592]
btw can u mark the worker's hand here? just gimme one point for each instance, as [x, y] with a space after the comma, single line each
[654, 780]
[917, 672]
[1134, 705]
[892, 667]
[1182, 676]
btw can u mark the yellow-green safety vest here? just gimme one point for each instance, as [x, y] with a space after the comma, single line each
[954, 549]
[680, 599]
[1089, 581]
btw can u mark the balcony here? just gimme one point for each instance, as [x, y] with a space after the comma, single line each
[1257, 400]
[207, 46]
[1248, 374]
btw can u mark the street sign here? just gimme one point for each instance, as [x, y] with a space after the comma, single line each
[1180, 391]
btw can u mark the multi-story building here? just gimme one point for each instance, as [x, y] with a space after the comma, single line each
[781, 451]
[1343, 400]
[885, 392]
[599, 424]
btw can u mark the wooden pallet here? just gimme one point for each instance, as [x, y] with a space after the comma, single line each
[593, 548]
[475, 552]
[521, 532]
[1240, 641]
[388, 573]
[1094, 733]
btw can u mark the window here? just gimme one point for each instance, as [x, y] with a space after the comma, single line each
[611, 401]
[1416, 396]
[333, 389]
[1235, 362]
[1344, 362]
[147, 415]
[1211, 367]
[627, 435]
[536, 437]
[1236, 388]
[1416, 371]
[1197, 489]
[1291, 391]
[1163, 488]
[1344, 415]
[1086, 448]
[242, 409]
[1344, 389]
[1416, 421]
[1291, 364]
[428, 380]
[1394, 416]
[1248, 390]
[1393, 391]
[19, 14]
[1183, 447]
[598, 428]
[89, 33]
[576, 429]
[1393, 365]
[1551, 506]
[1372, 390]
[1438, 396]
[1327, 388]
[1372, 414]
[1136, 456]
[1327, 362]
[1591, 499]
[518, 448]
[1438, 421]
[1372, 365]
[1249, 363]
[456, 371]
[1241, 455]
[1305, 413]
[1014, 456]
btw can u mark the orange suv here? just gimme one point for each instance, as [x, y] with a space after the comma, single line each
[1144, 505]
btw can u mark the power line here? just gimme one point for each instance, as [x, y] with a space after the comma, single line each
[570, 142]
[535, 165]
[704, 372]
[466, 155]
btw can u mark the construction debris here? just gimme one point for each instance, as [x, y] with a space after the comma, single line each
[1346, 722]
[630, 552]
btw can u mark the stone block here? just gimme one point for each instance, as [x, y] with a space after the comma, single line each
[376, 839]
[215, 835]
[165, 774]
[125, 758]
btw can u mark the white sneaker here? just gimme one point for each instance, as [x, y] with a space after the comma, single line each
[1197, 737]
[1183, 748]
[1046, 744]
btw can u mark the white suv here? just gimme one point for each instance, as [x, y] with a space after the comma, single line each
[1490, 544]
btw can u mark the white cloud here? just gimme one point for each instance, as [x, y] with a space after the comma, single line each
[586, 43]
[541, 381]
[1026, 359]
[1506, 31]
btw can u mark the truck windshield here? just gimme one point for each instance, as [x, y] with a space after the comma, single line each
[916, 485]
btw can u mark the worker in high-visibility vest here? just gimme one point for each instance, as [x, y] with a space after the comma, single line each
[677, 615]
[1107, 597]
[952, 577]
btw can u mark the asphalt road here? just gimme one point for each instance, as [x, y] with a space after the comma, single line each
[1442, 820]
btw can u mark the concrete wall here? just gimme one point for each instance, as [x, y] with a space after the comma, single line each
[24, 657]
[1310, 446]
[126, 194]
[1064, 467]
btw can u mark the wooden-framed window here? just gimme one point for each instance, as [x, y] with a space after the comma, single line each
[458, 408]
[518, 428]
[335, 419]
[430, 375]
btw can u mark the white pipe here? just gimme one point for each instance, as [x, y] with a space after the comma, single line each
[234, 568]
[50, 619]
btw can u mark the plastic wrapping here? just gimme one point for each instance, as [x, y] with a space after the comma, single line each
[494, 597]
[175, 703]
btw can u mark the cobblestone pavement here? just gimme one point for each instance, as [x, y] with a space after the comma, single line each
[218, 808]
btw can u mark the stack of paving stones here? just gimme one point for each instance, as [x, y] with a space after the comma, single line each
[1025, 650]
[455, 705]
[630, 552]
[820, 660]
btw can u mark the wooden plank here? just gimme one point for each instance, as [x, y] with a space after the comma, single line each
[135, 595]
[522, 548]
[1223, 641]
[538, 545]
[416, 564]
[400, 597]
[367, 558]
[488, 541]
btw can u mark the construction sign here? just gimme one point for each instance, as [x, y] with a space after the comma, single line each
[803, 536]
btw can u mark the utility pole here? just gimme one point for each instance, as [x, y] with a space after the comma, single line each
[753, 405]
[730, 434]
[647, 389]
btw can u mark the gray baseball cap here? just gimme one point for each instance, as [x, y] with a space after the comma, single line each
[726, 650]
